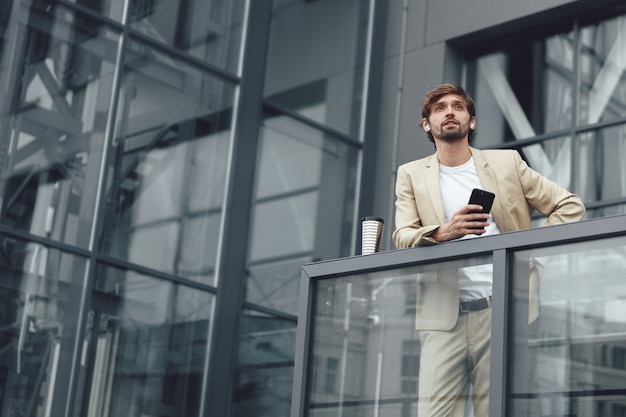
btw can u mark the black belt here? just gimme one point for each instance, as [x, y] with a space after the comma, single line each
[474, 305]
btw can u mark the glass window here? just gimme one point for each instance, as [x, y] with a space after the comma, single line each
[40, 291]
[316, 60]
[410, 366]
[302, 211]
[56, 85]
[264, 375]
[169, 170]
[524, 90]
[552, 158]
[605, 211]
[209, 30]
[145, 346]
[603, 71]
[560, 83]
[570, 359]
[361, 322]
[331, 375]
[113, 9]
[602, 173]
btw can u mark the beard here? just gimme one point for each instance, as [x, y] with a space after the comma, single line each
[452, 135]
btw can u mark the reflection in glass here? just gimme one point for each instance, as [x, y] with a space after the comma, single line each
[510, 103]
[113, 9]
[264, 375]
[303, 206]
[366, 352]
[169, 170]
[319, 73]
[603, 71]
[145, 347]
[552, 158]
[602, 173]
[570, 361]
[56, 86]
[37, 290]
[606, 211]
[558, 83]
[209, 30]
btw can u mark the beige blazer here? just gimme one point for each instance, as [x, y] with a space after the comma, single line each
[419, 211]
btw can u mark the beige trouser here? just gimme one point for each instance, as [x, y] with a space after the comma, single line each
[452, 360]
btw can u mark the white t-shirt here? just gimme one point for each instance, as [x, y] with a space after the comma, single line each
[457, 184]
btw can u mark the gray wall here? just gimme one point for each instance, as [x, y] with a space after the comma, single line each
[418, 57]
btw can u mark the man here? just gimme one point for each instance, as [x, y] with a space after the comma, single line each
[454, 314]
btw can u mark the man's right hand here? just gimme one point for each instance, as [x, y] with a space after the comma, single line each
[463, 222]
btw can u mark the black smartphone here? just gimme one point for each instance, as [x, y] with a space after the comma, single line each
[482, 198]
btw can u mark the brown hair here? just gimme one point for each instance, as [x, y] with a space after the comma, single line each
[441, 90]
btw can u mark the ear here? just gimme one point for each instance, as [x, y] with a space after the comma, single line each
[425, 125]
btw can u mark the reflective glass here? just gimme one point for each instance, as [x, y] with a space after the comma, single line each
[304, 198]
[56, 83]
[316, 60]
[264, 375]
[571, 360]
[40, 292]
[602, 173]
[168, 174]
[524, 90]
[113, 9]
[603, 71]
[210, 30]
[366, 352]
[606, 211]
[145, 347]
[552, 158]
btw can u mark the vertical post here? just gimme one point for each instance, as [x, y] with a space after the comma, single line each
[303, 346]
[498, 387]
[231, 269]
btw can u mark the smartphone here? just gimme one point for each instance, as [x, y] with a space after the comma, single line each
[482, 198]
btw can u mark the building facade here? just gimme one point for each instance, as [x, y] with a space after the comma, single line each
[167, 167]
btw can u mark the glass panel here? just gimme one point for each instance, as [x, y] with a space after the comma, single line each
[552, 158]
[571, 359]
[210, 30]
[315, 67]
[367, 357]
[56, 87]
[305, 195]
[264, 375]
[610, 210]
[524, 90]
[170, 166]
[146, 347]
[276, 284]
[602, 173]
[40, 291]
[284, 227]
[110, 8]
[603, 71]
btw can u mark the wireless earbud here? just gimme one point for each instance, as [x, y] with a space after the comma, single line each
[472, 126]
[427, 128]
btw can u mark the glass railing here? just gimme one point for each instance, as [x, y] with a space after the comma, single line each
[558, 324]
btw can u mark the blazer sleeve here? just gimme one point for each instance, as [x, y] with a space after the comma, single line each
[409, 230]
[550, 199]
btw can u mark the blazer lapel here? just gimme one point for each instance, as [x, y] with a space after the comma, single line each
[431, 179]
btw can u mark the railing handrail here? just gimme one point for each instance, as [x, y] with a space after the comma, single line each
[585, 230]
